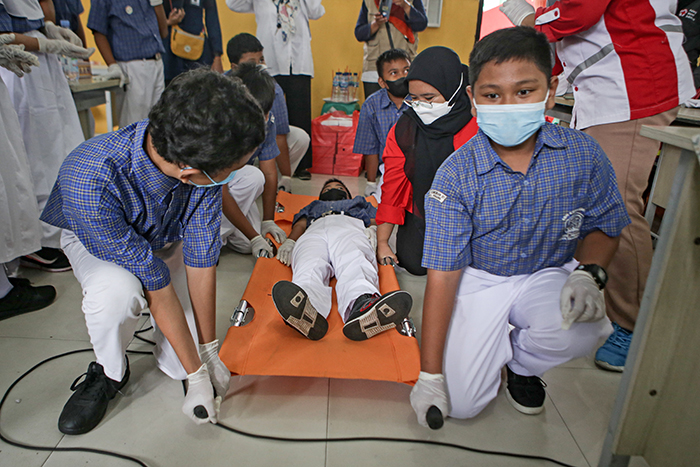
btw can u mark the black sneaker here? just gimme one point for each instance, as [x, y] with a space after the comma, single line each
[294, 306]
[24, 298]
[47, 259]
[525, 393]
[374, 314]
[88, 404]
[303, 174]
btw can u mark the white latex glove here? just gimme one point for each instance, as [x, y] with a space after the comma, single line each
[156, 2]
[429, 390]
[114, 72]
[61, 47]
[259, 244]
[14, 58]
[200, 392]
[285, 184]
[370, 189]
[65, 34]
[371, 234]
[517, 10]
[218, 372]
[284, 252]
[581, 299]
[269, 227]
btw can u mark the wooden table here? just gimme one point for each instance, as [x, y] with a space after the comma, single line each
[88, 93]
[657, 410]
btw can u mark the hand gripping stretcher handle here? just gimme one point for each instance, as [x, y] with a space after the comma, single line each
[433, 417]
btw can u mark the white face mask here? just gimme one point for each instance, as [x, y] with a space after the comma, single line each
[428, 112]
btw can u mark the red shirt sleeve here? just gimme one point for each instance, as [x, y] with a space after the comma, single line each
[466, 133]
[397, 191]
[568, 17]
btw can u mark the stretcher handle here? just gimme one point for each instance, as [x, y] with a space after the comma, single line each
[201, 412]
[388, 260]
[433, 417]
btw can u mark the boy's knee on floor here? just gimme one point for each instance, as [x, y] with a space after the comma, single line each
[466, 407]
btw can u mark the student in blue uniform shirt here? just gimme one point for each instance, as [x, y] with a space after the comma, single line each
[242, 229]
[68, 16]
[506, 215]
[380, 112]
[292, 141]
[128, 34]
[141, 209]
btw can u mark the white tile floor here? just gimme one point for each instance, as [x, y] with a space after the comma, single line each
[146, 421]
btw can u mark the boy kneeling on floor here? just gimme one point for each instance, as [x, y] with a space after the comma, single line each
[333, 237]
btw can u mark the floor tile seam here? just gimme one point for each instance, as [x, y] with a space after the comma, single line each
[583, 454]
[61, 339]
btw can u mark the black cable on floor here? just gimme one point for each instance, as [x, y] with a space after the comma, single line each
[246, 434]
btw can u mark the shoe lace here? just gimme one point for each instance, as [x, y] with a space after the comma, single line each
[620, 337]
[92, 385]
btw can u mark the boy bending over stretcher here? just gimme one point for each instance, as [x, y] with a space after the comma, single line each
[332, 236]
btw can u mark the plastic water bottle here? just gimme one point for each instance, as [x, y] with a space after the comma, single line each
[355, 87]
[335, 96]
[344, 85]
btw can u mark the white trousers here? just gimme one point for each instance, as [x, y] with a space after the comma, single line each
[245, 188]
[146, 84]
[335, 245]
[298, 142]
[50, 126]
[479, 342]
[113, 300]
[20, 231]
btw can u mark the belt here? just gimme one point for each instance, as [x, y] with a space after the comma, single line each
[329, 213]
[155, 57]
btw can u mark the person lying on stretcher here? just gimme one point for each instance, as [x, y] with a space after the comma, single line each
[333, 236]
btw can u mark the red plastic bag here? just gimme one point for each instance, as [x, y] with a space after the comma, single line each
[332, 138]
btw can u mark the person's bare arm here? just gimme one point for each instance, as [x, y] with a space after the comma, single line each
[31, 44]
[283, 162]
[269, 196]
[49, 10]
[371, 165]
[81, 32]
[597, 248]
[383, 249]
[439, 300]
[298, 229]
[162, 21]
[104, 48]
[201, 283]
[234, 214]
[169, 316]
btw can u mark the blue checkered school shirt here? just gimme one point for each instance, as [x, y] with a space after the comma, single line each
[358, 207]
[123, 208]
[377, 116]
[480, 213]
[132, 36]
[9, 23]
[279, 110]
[268, 149]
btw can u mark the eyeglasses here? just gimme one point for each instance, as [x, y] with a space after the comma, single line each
[417, 104]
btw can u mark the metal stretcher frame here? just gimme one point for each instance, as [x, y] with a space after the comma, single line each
[264, 345]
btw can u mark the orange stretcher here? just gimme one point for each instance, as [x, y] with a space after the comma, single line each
[264, 345]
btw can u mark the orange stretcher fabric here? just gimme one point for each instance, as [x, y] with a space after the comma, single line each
[266, 346]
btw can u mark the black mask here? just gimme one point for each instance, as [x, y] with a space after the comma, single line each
[398, 87]
[334, 194]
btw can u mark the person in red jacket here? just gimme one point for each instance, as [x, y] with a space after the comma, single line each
[438, 122]
[626, 63]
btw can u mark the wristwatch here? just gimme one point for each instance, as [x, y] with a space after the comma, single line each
[599, 275]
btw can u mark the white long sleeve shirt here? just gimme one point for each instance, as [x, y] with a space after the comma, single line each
[290, 57]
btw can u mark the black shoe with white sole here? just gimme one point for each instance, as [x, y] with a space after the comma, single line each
[525, 393]
[374, 314]
[294, 306]
[47, 259]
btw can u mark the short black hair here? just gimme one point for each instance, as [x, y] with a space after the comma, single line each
[517, 43]
[240, 44]
[206, 120]
[258, 81]
[389, 56]
[335, 180]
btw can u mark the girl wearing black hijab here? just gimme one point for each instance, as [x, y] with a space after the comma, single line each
[438, 122]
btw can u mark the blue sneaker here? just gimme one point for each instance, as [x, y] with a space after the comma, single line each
[613, 354]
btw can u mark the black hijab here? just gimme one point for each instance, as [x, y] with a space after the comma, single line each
[427, 146]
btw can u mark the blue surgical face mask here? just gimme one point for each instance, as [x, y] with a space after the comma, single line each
[510, 125]
[213, 183]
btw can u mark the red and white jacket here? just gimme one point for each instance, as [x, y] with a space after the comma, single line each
[623, 58]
